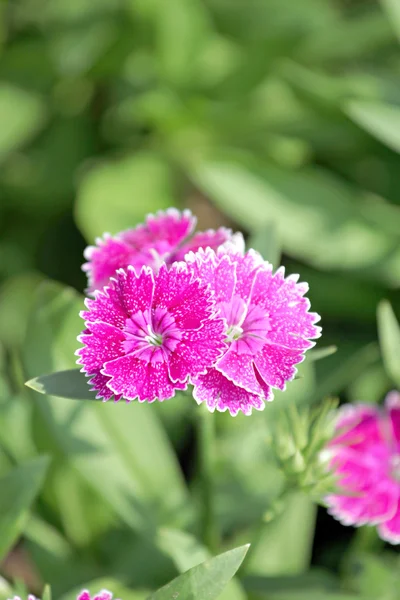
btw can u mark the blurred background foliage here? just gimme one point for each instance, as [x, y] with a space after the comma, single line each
[281, 119]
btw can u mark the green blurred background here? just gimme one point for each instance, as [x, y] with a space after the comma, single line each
[278, 118]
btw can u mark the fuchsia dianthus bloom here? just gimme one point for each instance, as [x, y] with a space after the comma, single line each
[365, 456]
[267, 329]
[147, 333]
[165, 237]
[84, 595]
[102, 595]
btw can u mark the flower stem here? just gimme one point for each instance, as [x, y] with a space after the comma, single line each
[206, 461]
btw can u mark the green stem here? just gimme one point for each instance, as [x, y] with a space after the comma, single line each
[206, 457]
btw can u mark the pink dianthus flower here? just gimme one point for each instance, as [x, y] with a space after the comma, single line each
[147, 333]
[365, 457]
[268, 328]
[102, 595]
[164, 237]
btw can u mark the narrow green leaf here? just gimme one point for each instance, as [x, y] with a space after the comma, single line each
[187, 552]
[380, 120]
[285, 543]
[206, 580]
[182, 29]
[102, 442]
[46, 594]
[18, 490]
[392, 8]
[144, 172]
[389, 338]
[23, 114]
[319, 353]
[265, 241]
[318, 219]
[65, 384]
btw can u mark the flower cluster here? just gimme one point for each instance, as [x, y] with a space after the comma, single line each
[203, 312]
[84, 595]
[365, 456]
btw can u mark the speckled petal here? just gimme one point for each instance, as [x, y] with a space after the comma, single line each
[239, 368]
[369, 497]
[103, 343]
[168, 227]
[203, 239]
[177, 291]
[291, 324]
[104, 259]
[217, 272]
[134, 379]
[392, 403]
[390, 530]
[197, 350]
[276, 364]
[221, 394]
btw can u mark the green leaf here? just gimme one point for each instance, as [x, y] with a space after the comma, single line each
[392, 8]
[318, 218]
[182, 29]
[102, 442]
[46, 594]
[265, 241]
[23, 115]
[319, 353]
[206, 580]
[389, 338]
[343, 367]
[114, 196]
[186, 552]
[285, 543]
[18, 490]
[65, 384]
[380, 120]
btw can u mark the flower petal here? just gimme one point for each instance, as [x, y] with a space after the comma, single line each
[197, 350]
[203, 239]
[390, 530]
[239, 368]
[186, 299]
[133, 379]
[370, 495]
[276, 364]
[219, 393]
[291, 324]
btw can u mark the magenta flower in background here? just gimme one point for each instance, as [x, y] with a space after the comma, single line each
[30, 597]
[165, 237]
[147, 333]
[365, 456]
[268, 328]
[102, 595]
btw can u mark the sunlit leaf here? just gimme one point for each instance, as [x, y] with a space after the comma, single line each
[319, 353]
[117, 195]
[380, 120]
[316, 216]
[389, 337]
[65, 384]
[103, 442]
[206, 580]
[18, 490]
[186, 552]
[23, 114]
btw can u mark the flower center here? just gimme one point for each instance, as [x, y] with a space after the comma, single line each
[247, 326]
[151, 335]
[234, 333]
[395, 467]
